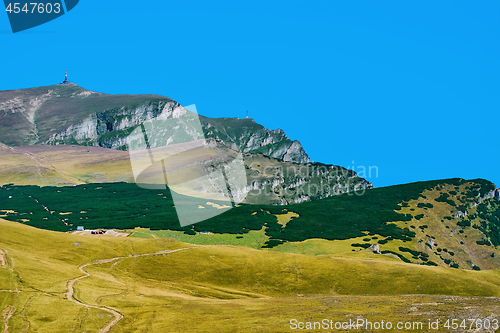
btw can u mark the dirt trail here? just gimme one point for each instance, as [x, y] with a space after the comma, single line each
[6, 314]
[3, 259]
[117, 315]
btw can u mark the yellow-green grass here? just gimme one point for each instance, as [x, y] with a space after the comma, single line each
[274, 314]
[38, 312]
[60, 165]
[278, 273]
[217, 288]
[342, 248]
[254, 238]
[283, 219]
[38, 254]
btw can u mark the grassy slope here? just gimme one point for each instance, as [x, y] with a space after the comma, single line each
[55, 166]
[215, 288]
[59, 165]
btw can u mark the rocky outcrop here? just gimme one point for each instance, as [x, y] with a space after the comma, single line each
[489, 195]
[289, 183]
[246, 136]
[109, 129]
[375, 248]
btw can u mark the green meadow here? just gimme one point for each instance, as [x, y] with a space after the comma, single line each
[210, 288]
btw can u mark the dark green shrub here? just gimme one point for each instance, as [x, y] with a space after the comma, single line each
[400, 256]
[405, 249]
[272, 243]
[424, 205]
[464, 223]
[444, 197]
[364, 245]
[430, 263]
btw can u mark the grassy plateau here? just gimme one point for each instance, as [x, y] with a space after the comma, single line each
[401, 253]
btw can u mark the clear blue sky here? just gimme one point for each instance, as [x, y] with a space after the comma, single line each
[411, 87]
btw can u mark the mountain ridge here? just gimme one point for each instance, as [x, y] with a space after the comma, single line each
[69, 114]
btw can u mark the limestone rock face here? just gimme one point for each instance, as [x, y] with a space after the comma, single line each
[69, 114]
[246, 136]
[375, 248]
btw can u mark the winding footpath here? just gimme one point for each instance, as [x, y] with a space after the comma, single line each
[117, 315]
[70, 293]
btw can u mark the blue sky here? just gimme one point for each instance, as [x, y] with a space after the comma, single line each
[412, 88]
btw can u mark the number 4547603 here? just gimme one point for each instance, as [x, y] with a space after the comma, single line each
[477, 324]
[33, 8]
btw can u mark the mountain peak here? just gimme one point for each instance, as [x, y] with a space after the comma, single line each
[69, 114]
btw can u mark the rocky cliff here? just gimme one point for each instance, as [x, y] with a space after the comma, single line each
[69, 114]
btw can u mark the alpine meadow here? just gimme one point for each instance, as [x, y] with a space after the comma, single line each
[87, 244]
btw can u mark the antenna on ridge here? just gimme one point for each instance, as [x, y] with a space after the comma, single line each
[247, 115]
[66, 77]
